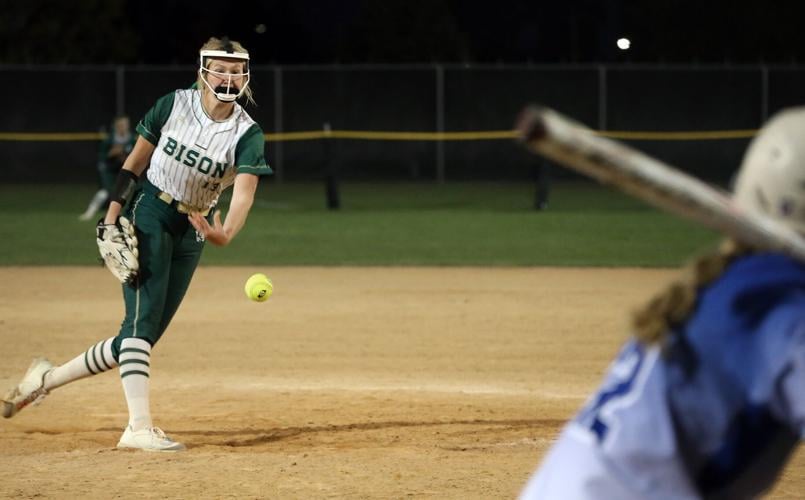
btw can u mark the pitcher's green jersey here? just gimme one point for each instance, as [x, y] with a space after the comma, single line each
[196, 157]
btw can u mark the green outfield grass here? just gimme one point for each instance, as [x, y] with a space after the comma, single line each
[386, 224]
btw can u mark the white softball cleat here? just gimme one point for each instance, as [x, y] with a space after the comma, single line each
[31, 390]
[150, 439]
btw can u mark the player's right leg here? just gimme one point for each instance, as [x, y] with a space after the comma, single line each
[186, 256]
[42, 377]
[135, 373]
[135, 353]
[145, 302]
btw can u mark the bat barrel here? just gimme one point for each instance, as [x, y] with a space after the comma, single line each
[546, 132]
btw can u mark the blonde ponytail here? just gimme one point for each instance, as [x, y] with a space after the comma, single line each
[670, 307]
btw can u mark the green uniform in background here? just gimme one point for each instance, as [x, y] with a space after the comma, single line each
[112, 152]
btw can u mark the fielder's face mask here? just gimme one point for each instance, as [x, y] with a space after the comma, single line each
[226, 91]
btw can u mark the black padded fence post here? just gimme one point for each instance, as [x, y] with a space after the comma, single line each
[542, 178]
[330, 171]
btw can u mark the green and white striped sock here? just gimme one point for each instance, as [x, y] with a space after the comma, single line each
[135, 370]
[97, 359]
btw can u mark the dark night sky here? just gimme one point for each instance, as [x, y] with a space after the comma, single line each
[405, 31]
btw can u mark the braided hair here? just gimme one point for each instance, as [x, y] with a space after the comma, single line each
[672, 305]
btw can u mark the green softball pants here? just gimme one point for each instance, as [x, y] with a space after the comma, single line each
[169, 251]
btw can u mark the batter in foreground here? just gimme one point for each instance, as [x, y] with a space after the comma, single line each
[708, 399]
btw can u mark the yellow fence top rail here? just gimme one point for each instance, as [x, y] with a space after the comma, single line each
[369, 135]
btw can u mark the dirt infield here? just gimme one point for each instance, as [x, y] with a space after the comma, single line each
[349, 382]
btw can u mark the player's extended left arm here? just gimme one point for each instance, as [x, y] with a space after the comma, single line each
[242, 200]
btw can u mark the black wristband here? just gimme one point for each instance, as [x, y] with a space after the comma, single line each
[124, 187]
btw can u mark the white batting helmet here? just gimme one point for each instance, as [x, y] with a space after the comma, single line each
[772, 176]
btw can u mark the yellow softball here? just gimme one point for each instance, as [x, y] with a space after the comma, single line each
[259, 287]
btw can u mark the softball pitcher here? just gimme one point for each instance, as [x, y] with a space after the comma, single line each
[194, 143]
[708, 399]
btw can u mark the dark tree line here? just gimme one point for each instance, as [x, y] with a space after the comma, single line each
[399, 31]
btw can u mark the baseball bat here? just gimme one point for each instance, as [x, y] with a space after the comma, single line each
[548, 133]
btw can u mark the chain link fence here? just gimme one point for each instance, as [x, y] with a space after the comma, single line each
[417, 98]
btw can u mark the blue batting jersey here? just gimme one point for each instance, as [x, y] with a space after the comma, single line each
[715, 414]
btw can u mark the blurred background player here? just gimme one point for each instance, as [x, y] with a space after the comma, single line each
[194, 143]
[708, 399]
[112, 152]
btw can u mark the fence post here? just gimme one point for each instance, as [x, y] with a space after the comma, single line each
[120, 90]
[277, 146]
[602, 97]
[330, 170]
[764, 93]
[439, 123]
